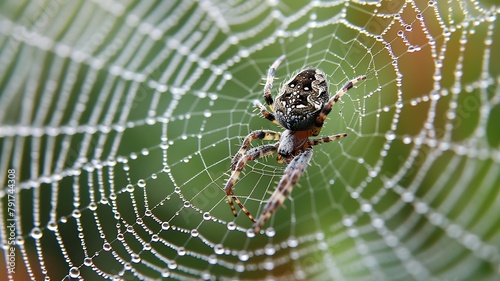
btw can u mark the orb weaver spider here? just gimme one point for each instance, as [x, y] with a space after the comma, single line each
[301, 108]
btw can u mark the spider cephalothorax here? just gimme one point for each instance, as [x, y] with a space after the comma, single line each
[301, 108]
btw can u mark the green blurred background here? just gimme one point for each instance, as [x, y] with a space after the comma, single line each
[121, 120]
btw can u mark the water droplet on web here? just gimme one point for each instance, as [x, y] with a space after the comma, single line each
[155, 238]
[250, 233]
[390, 136]
[194, 233]
[52, 226]
[130, 188]
[36, 233]
[87, 262]
[268, 264]
[269, 250]
[292, 242]
[270, 232]
[106, 246]
[141, 183]
[347, 222]
[164, 145]
[244, 53]
[181, 251]
[207, 113]
[165, 225]
[165, 273]
[74, 272]
[231, 226]
[243, 256]
[206, 216]
[212, 259]
[172, 264]
[240, 267]
[373, 173]
[366, 207]
[219, 249]
[135, 258]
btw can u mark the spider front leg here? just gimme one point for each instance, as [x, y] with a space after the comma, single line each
[290, 177]
[269, 81]
[318, 124]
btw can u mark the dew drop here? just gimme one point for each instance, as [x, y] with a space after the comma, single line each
[172, 265]
[130, 188]
[106, 247]
[212, 259]
[270, 232]
[87, 262]
[74, 272]
[239, 267]
[155, 238]
[206, 216]
[231, 226]
[52, 226]
[194, 233]
[165, 273]
[292, 242]
[219, 249]
[268, 265]
[250, 233]
[92, 206]
[141, 183]
[366, 207]
[181, 251]
[390, 136]
[76, 214]
[243, 256]
[207, 113]
[36, 233]
[135, 258]
[165, 225]
[269, 250]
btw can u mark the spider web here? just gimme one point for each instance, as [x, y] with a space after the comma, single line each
[118, 121]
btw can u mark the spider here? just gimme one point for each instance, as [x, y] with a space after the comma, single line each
[301, 108]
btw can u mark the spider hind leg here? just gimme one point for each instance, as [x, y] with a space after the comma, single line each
[238, 165]
[290, 177]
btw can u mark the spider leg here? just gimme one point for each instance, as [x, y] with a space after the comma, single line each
[312, 142]
[265, 113]
[257, 134]
[318, 124]
[290, 177]
[269, 81]
[252, 154]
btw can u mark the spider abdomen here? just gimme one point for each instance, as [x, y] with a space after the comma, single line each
[301, 100]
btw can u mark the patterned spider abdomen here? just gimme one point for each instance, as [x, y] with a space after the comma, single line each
[301, 100]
